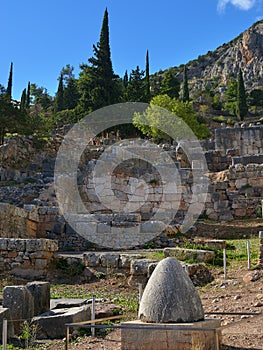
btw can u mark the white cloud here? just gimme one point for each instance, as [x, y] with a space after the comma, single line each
[241, 4]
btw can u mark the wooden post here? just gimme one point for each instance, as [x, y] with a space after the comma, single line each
[4, 334]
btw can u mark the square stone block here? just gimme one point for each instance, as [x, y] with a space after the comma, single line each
[200, 335]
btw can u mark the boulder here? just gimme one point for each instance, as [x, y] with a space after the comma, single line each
[170, 296]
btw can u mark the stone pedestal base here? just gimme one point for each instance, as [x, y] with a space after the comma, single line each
[157, 336]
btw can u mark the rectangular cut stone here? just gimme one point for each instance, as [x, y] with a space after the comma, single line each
[41, 296]
[161, 338]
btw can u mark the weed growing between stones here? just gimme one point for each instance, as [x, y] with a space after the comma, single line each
[73, 269]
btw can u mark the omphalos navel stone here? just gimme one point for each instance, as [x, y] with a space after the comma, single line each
[170, 296]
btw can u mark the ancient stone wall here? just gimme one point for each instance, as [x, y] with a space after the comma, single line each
[27, 222]
[237, 194]
[249, 140]
[33, 255]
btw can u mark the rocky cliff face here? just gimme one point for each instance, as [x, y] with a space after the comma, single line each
[215, 68]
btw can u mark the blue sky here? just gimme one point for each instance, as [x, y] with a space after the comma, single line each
[40, 37]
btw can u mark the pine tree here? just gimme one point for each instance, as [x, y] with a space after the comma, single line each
[23, 100]
[98, 83]
[147, 79]
[136, 90]
[71, 94]
[10, 82]
[242, 108]
[170, 85]
[185, 95]
[28, 98]
[59, 99]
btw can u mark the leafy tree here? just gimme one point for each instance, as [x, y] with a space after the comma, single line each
[216, 103]
[10, 82]
[97, 82]
[170, 84]
[185, 94]
[242, 108]
[162, 122]
[59, 99]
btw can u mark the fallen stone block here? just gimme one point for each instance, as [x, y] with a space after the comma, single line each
[63, 303]
[51, 324]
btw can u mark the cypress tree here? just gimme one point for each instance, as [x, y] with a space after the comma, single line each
[242, 108]
[147, 79]
[125, 79]
[98, 83]
[59, 99]
[23, 100]
[10, 82]
[185, 96]
[28, 95]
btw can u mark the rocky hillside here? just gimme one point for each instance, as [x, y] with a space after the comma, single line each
[214, 68]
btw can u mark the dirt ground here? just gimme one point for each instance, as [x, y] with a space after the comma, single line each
[232, 294]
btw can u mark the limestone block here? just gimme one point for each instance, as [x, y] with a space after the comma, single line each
[125, 260]
[52, 323]
[190, 254]
[152, 227]
[91, 259]
[225, 215]
[20, 303]
[40, 292]
[103, 228]
[140, 266]
[109, 260]
[3, 243]
[176, 336]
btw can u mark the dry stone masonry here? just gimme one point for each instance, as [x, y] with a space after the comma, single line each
[234, 158]
[26, 257]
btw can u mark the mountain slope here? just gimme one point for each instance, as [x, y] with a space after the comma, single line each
[216, 67]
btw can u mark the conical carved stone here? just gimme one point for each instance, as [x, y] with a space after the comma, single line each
[170, 296]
